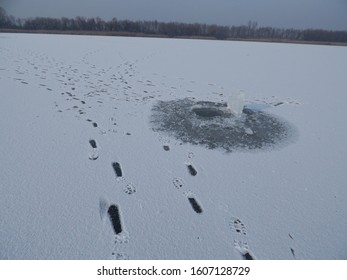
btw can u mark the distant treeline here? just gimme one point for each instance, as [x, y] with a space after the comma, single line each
[251, 31]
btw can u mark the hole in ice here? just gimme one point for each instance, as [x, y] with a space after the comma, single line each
[217, 125]
[207, 112]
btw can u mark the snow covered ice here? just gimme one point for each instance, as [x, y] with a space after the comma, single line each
[118, 148]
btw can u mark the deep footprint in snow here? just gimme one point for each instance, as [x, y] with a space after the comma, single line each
[93, 143]
[94, 154]
[247, 256]
[117, 169]
[240, 238]
[195, 205]
[166, 147]
[192, 170]
[113, 212]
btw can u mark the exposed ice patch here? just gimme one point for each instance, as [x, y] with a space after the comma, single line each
[220, 125]
[236, 103]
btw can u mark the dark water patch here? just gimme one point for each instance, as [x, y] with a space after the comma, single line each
[93, 143]
[113, 212]
[117, 169]
[207, 112]
[196, 207]
[192, 170]
[95, 124]
[212, 125]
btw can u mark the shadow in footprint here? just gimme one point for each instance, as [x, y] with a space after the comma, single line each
[93, 143]
[195, 205]
[113, 212]
[192, 170]
[166, 148]
[248, 256]
[117, 169]
[94, 153]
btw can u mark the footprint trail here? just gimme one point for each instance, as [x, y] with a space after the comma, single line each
[94, 154]
[240, 238]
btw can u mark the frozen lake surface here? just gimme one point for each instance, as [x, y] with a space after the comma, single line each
[124, 148]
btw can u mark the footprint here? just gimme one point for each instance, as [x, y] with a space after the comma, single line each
[129, 189]
[117, 169]
[165, 142]
[192, 170]
[178, 183]
[293, 252]
[120, 256]
[291, 248]
[94, 154]
[190, 158]
[247, 256]
[240, 238]
[93, 143]
[113, 212]
[195, 205]
[166, 147]
[121, 238]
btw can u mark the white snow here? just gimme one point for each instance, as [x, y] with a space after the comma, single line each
[278, 203]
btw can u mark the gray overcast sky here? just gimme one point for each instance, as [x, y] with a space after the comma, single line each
[327, 14]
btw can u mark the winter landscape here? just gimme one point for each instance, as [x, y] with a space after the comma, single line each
[144, 148]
